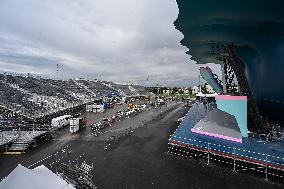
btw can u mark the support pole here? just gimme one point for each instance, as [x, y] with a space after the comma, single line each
[224, 77]
[208, 154]
[56, 162]
[234, 159]
[266, 170]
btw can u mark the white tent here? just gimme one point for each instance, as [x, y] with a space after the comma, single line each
[40, 177]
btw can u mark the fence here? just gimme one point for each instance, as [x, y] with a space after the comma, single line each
[238, 158]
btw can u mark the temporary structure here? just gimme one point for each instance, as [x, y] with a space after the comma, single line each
[39, 177]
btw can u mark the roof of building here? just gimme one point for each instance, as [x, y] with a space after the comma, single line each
[40, 177]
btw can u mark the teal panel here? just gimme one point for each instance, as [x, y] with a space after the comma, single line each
[208, 76]
[237, 108]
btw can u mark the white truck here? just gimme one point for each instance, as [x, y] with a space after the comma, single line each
[60, 121]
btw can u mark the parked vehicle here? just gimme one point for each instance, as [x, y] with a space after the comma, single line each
[161, 101]
[120, 113]
[142, 107]
[132, 106]
[130, 112]
[60, 121]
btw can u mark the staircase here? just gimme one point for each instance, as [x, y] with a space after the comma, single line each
[22, 142]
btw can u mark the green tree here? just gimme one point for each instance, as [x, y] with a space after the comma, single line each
[204, 89]
[189, 90]
[175, 90]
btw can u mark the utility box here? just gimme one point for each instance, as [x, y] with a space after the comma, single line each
[77, 124]
[74, 125]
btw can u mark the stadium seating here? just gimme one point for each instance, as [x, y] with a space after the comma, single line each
[35, 97]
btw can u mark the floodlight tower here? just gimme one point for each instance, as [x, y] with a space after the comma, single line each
[158, 85]
[57, 70]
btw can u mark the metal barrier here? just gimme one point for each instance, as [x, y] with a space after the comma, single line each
[240, 159]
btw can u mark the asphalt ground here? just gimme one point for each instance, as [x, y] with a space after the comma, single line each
[139, 159]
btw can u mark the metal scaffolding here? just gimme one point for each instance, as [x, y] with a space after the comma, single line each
[233, 69]
[256, 120]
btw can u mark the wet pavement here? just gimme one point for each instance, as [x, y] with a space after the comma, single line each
[139, 159]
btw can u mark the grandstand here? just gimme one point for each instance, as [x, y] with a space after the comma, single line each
[140, 90]
[97, 87]
[35, 97]
[128, 90]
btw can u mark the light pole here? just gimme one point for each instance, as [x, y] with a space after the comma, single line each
[266, 170]
[208, 154]
[158, 91]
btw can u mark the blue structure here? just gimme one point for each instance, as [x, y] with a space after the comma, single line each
[106, 105]
[251, 150]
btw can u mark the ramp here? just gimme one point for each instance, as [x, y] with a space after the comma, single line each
[211, 79]
[219, 124]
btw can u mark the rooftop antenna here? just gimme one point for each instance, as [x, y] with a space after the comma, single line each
[147, 81]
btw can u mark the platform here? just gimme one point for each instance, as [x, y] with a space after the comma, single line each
[251, 150]
[18, 142]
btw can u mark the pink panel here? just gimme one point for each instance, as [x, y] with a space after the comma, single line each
[228, 97]
[217, 135]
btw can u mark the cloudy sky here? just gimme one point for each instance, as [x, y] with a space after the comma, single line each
[122, 41]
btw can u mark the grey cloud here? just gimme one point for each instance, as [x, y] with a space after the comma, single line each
[122, 41]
